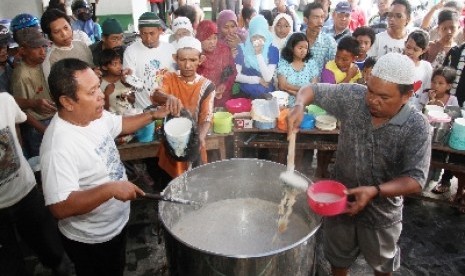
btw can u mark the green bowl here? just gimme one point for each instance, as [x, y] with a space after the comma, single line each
[315, 110]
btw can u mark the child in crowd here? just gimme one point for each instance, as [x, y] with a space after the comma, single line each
[218, 65]
[281, 30]
[181, 27]
[256, 61]
[439, 94]
[366, 72]
[343, 68]
[295, 68]
[117, 99]
[365, 37]
[441, 83]
[415, 46]
[282, 8]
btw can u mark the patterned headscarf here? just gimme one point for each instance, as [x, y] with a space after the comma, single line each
[281, 42]
[257, 26]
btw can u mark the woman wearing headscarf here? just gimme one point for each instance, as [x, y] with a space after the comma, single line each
[218, 66]
[281, 30]
[256, 60]
[229, 31]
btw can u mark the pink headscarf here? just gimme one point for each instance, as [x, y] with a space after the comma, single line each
[228, 15]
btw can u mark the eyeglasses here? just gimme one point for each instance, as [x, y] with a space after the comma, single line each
[116, 38]
[395, 15]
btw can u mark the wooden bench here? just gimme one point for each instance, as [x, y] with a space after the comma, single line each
[324, 141]
[137, 150]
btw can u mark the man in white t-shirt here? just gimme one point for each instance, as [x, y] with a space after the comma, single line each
[22, 208]
[393, 39]
[149, 57]
[85, 184]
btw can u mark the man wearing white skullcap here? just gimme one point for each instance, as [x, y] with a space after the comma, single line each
[383, 154]
[186, 89]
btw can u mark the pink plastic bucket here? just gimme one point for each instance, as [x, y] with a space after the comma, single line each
[327, 197]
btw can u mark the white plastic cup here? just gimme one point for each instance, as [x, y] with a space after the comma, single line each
[177, 132]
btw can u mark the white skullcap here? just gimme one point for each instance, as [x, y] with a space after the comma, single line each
[395, 68]
[182, 22]
[189, 42]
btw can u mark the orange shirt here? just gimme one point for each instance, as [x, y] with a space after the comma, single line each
[197, 97]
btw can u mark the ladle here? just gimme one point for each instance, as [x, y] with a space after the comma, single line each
[289, 177]
[170, 199]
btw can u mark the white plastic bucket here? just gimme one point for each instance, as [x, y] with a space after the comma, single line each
[177, 132]
[282, 97]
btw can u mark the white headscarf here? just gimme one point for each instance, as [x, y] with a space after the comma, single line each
[281, 42]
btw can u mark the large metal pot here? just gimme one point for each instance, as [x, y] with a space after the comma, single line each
[230, 180]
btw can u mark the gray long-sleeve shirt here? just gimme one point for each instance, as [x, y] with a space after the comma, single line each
[368, 155]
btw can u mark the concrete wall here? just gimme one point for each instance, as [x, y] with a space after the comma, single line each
[105, 7]
[10, 8]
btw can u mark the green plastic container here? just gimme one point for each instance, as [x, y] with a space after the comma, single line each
[222, 122]
[315, 110]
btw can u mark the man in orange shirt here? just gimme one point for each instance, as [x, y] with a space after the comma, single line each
[186, 89]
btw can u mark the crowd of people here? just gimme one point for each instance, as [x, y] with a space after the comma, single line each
[65, 79]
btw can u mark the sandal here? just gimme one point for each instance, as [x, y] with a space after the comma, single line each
[441, 188]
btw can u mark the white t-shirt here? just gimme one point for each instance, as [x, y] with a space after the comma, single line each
[423, 73]
[384, 44]
[147, 64]
[16, 176]
[75, 158]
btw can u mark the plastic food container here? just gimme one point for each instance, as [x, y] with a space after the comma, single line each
[264, 125]
[282, 97]
[326, 122]
[308, 122]
[222, 122]
[238, 105]
[315, 110]
[327, 197]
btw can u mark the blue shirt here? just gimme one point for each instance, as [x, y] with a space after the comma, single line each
[323, 50]
[256, 90]
[301, 77]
